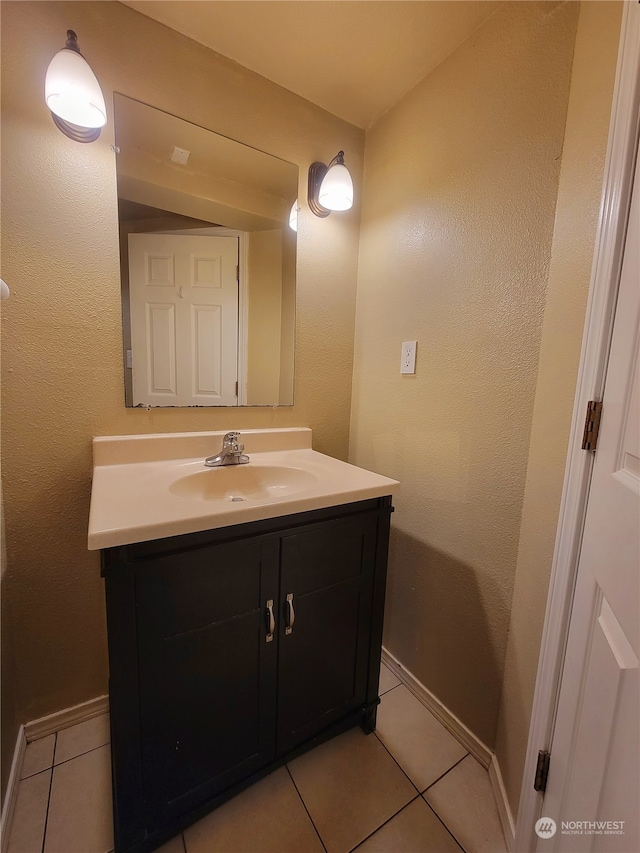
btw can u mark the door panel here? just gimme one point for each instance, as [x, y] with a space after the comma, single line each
[206, 364]
[318, 659]
[162, 368]
[182, 592]
[200, 736]
[322, 663]
[207, 674]
[184, 319]
[324, 555]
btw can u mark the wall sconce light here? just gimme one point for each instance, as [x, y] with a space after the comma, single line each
[73, 94]
[293, 216]
[330, 187]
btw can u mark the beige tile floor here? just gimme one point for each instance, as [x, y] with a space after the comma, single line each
[410, 788]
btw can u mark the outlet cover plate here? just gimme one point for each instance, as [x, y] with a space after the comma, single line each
[408, 357]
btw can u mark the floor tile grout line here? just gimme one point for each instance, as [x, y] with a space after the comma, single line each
[37, 772]
[433, 808]
[42, 769]
[389, 689]
[80, 754]
[419, 794]
[442, 775]
[443, 823]
[305, 808]
[367, 837]
[396, 761]
[46, 816]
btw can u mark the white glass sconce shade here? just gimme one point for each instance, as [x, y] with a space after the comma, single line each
[330, 187]
[293, 216]
[336, 189]
[72, 91]
[73, 94]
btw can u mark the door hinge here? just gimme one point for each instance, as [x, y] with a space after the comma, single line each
[236, 389]
[238, 272]
[592, 425]
[542, 771]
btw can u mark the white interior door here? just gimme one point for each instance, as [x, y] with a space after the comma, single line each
[183, 293]
[593, 786]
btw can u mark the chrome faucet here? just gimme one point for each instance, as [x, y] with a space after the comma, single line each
[231, 453]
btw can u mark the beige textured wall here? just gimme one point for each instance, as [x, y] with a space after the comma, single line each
[571, 259]
[264, 317]
[287, 319]
[460, 187]
[61, 329]
[8, 709]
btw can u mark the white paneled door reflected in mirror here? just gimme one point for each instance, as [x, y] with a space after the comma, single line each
[208, 265]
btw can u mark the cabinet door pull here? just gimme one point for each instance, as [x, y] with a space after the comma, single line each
[291, 614]
[271, 620]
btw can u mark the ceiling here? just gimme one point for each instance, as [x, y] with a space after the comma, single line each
[354, 58]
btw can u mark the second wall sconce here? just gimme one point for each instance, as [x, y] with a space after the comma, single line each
[73, 94]
[293, 216]
[330, 187]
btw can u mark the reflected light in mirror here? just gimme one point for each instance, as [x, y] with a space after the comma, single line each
[293, 216]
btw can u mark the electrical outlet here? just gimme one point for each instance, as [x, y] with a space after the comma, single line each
[408, 358]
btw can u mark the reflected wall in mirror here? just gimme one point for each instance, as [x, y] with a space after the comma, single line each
[208, 264]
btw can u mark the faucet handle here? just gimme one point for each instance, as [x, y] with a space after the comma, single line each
[230, 438]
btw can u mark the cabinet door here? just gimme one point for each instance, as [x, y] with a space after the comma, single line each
[207, 672]
[322, 670]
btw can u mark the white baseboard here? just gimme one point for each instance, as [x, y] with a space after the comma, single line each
[466, 737]
[457, 728]
[32, 731]
[65, 718]
[502, 802]
[11, 794]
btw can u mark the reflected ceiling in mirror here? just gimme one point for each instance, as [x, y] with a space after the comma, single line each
[208, 264]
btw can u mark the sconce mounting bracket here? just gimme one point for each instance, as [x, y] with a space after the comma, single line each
[317, 171]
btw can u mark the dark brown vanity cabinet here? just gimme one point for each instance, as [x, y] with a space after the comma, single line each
[233, 650]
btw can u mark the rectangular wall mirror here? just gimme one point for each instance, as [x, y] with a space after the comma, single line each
[208, 264]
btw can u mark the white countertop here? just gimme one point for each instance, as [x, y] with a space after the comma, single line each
[150, 487]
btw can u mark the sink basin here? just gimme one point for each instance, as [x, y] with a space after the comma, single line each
[244, 482]
[148, 487]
